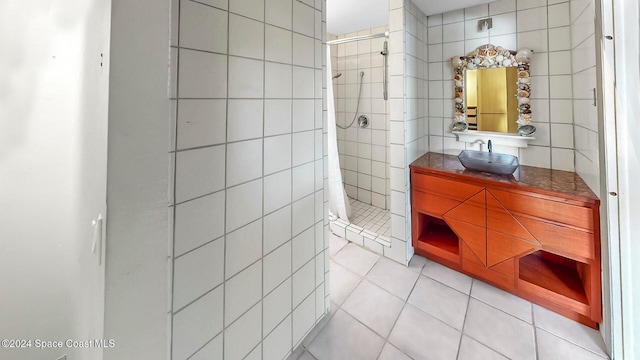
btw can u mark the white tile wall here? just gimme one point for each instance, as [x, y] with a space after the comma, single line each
[583, 50]
[242, 248]
[205, 27]
[202, 74]
[362, 148]
[277, 229]
[246, 37]
[277, 153]
[277, 306]
[196, 324]
[277, 191]
[247, 177]
[247, 78]
[199, 172]
[277, 116]
[198, 222]
[278, 12]
[242, 292]
[197, 272]
[244, 204]
[201, 123]
[242, 123]
[276, 345]
[244, 334]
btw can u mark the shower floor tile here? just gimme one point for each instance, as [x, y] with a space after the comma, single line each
[371, 218]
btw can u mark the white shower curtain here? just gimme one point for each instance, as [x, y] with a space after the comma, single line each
[338, 202]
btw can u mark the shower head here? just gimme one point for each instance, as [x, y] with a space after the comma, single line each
[337, 76]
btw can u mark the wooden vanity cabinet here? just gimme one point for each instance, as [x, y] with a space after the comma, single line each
[535, 234]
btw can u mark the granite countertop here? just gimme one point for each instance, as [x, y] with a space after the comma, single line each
[547, 180]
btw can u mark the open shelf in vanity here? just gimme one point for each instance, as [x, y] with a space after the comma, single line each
[554, 273]
[534, 234]
[437, 237]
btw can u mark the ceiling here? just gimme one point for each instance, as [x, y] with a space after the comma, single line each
[347, 16]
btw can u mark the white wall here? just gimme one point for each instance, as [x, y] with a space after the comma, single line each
[626, 299]
[363, 151]
[136, 309]
[53, 133]
[248, 206]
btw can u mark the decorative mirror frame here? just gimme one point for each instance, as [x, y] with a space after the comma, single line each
[490, 56]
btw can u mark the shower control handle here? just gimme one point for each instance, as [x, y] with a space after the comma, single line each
[363, 121]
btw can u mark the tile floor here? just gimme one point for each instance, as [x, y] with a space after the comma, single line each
[370, 226]
[371, 218]
[383, 310]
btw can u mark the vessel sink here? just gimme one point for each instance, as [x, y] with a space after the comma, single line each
[495, 163]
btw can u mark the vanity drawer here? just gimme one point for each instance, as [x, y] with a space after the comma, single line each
[447, 188]
[546, 209]
[431, 204]
[561, 240]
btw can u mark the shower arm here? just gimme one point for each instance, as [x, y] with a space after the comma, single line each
[384, 52]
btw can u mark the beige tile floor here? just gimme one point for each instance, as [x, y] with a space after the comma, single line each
[383, 310]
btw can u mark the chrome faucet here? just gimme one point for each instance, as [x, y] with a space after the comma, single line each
[489, 146]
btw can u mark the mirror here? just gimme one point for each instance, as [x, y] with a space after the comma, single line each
[491, 99]
[492, 89]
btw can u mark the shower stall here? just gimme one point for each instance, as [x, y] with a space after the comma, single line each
[359, 78]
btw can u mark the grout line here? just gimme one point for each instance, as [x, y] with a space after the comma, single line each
[535, 333]
[175, 167]
[464, 322]
[205, 344]
[263, 176]
[253, 348]
[226, 172]
[404, 305]
[291, 158]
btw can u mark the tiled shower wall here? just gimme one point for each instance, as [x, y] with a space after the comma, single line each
[409, 109]
[247, 201]
[536, 24]
[363, 151]
[583, 54]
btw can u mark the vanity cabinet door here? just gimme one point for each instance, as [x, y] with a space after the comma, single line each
[468, 220]
[506, 236]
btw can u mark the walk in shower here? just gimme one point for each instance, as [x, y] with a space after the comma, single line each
[359, 65]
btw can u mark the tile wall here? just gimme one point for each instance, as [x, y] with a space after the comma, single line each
[416, 106]
[247, 202]
[399, 249]
[363, 151]
[543, 26]
[583, 56]
[407, 114]
[417, 86]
